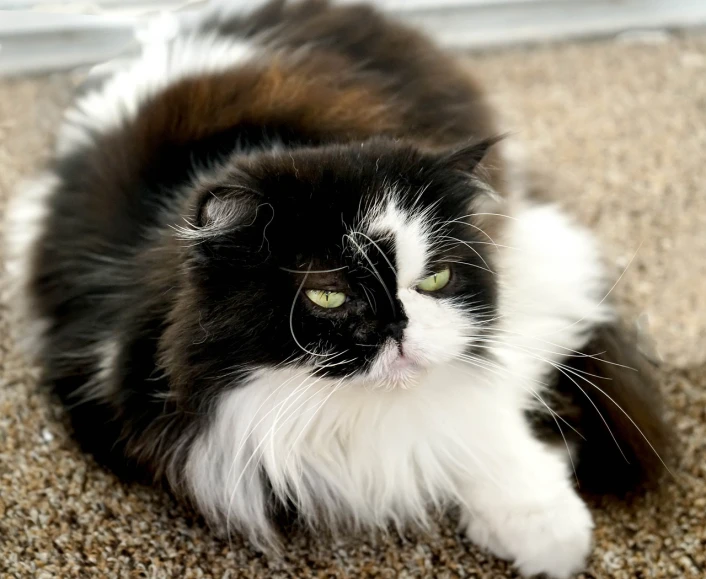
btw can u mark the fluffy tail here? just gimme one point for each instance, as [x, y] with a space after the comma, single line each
[610, 396]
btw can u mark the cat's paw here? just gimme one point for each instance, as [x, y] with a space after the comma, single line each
[554, 539]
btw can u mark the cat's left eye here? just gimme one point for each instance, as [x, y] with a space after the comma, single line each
[436, 281]
[325, 298]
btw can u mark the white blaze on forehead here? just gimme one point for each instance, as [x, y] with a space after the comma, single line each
[411, 242]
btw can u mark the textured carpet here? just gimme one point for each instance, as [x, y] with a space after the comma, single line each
[621, 128]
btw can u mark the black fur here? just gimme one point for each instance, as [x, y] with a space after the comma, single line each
[609, 391]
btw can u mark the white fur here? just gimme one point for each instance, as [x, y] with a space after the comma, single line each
[411, 243]
[345, 453]
[161, 64]
[553, 288]
[435, 334]
[437, 330]
[24, 225]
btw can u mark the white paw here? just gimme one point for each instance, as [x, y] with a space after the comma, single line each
[554, 539]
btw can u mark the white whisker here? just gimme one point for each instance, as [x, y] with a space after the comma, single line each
[291, 322]
[472, 249]
[376, 272]
[468, 264]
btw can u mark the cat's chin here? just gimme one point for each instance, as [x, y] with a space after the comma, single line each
[403, 375]
[404, 378]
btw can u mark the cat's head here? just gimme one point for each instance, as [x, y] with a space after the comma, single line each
[364, 262]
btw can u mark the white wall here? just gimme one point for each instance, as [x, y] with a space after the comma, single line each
[61, 34]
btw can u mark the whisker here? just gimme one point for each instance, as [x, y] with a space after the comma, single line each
[619, 407]
[370, 298]
[316, 411]
[474, 227]
[529, 351]
[291, 321]
[577, 353]
[494, 214]
[275, 429]
[341, 363]
[469, 247]
[556, 417]
[375, 271]
[392, 267]
[248, 435]
[476, 242]
[265, 438]
[600, 414]
[468, 264]
[479, 361]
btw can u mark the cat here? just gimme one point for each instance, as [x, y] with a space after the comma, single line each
[278, 262]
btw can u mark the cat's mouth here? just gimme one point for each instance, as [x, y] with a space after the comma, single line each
[404, 362]
[397, 365]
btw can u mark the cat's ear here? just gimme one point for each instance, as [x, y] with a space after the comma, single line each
[225, 207]
[468, 157]
[219, 209]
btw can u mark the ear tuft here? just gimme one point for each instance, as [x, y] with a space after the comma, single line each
[468, 157]
[222, 208]
[219, 209]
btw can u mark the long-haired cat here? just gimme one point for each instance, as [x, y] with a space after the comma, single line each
[276, 262]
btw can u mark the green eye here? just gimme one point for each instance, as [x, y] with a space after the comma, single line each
[326, 299]
[436, 281]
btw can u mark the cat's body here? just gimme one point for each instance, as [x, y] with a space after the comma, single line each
[164, 262]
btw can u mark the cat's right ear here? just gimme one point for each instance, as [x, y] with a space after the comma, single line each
[217, 210]
[224, 207]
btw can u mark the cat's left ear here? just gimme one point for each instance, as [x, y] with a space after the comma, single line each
[468, 157]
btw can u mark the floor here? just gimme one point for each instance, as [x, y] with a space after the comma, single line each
[618, 131]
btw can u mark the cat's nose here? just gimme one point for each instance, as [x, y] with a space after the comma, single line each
[396, 329]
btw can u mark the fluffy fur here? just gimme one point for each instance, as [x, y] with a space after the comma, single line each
[160, 270]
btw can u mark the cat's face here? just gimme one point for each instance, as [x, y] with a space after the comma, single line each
[364, 263]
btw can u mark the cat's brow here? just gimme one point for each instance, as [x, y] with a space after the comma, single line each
[307, 271]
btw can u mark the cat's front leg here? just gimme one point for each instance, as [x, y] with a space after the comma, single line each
[522, 506]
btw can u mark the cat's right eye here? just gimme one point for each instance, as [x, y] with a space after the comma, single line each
[325, 298]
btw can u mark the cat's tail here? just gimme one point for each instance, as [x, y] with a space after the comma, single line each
[615, 403]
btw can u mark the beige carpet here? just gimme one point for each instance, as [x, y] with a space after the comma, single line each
[622, 127]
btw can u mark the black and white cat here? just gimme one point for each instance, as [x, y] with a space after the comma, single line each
[277, 264]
